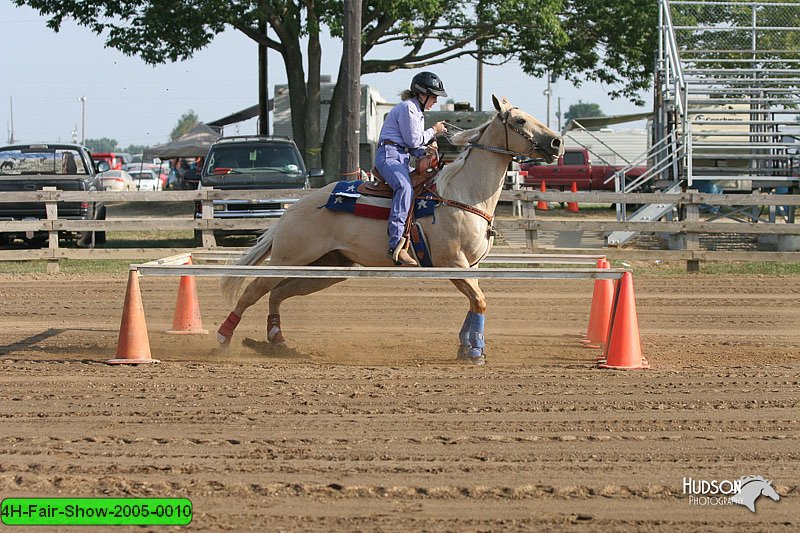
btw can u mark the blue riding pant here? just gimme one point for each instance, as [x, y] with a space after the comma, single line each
[392, 163]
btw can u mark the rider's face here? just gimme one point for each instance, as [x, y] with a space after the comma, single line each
[430, 102]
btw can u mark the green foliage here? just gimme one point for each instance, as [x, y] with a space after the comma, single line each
[187, 121]
[583, 109]
[102, 145]
[135, 149]
[577, 40]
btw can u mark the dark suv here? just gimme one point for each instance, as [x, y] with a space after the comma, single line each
[253, 162]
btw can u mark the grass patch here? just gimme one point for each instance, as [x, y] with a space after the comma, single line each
[70, 266]
[678, 268]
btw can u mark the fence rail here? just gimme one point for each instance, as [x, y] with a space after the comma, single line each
[689, 228]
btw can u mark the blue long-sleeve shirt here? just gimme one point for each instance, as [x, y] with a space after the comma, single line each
[405, 126]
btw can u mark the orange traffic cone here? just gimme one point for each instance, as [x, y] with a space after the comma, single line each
[624, 349]
[573, 206]
[541, 205]
[186, 320]
[133, 346]
[600, 313]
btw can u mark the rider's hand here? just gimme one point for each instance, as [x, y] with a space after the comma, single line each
[432, 148]
[439, 128]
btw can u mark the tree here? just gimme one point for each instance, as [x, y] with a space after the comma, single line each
[136, 149]
[583, 109]
[576, 40]
[101, 145]
[187, 121]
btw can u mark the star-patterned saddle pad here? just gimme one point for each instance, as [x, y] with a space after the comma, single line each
[346, 198]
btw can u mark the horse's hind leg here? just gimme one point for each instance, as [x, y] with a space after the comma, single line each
[299, 287]
[253, 293]
[471, 338]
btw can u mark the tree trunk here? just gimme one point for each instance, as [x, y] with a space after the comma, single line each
[297, 93]
[312, 154]
[331, 147]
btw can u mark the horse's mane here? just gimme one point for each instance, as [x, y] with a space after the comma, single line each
[748, 479]
[461, 138]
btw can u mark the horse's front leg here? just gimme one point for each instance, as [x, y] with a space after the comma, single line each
[253, 293]
[471, 337]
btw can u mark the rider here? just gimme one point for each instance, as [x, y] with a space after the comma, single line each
[403, 135]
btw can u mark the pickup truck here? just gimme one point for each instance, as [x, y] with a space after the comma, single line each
[252, 162]
[575, 166]
[67, 167]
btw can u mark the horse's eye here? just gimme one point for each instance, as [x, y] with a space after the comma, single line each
[520, 121]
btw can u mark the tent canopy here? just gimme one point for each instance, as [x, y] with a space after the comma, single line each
[194, 143]
[599, 122]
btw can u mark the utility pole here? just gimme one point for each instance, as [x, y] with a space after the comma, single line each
[11, 139]
[479, 84]
[558, 113]
[547, 92]
[82, 100]
[351, 84]
[263, 84]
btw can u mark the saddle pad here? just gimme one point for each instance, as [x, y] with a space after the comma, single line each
[419, 245]
[346, 199]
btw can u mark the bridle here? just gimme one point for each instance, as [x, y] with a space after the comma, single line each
[516, 156]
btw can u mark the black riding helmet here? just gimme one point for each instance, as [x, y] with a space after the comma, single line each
[427, 83]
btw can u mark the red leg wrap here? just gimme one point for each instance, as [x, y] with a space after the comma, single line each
[274, 334]
[225, 331]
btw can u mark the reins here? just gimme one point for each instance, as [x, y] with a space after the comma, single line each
[517, 156]
[526, 155]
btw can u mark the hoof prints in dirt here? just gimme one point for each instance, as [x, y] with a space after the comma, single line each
[271, 350]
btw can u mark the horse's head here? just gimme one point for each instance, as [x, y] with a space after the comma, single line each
[768, 491]
[525, 134]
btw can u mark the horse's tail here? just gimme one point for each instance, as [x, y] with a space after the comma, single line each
[257, 254]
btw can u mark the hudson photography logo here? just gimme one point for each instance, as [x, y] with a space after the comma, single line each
[743, 491]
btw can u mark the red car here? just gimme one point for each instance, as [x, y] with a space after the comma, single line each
[114, 160]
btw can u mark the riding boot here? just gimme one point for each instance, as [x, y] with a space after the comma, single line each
[400, 256]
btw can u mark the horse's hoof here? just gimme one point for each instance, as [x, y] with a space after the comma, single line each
[277, 339]
[472, 356]
[223, 341]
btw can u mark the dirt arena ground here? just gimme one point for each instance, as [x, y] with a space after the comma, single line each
[368, 425]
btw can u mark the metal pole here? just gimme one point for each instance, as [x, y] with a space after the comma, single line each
[82, 100]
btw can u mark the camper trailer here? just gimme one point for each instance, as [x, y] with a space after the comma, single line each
[373, 111]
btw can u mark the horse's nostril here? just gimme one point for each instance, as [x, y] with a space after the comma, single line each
[556, 143]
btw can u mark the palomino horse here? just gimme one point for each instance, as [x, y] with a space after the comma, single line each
[459, 236]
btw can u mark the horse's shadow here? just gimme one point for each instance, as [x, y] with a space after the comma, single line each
[267, 349]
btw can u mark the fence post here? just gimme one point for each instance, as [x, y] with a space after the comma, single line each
[692, 239]
[531, 235]
[51, 210]
[206, 214]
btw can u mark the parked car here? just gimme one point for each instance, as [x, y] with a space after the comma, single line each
[117, 180]
[575, 166]
[160, 169]
[146, 179]
[64, 166]
[253, 162]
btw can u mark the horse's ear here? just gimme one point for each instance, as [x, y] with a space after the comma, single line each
[502, 105]
[496, 104]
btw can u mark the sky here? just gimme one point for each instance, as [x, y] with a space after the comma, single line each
[46, 73]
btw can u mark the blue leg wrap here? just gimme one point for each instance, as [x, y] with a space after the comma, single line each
[476, 340]
[463, 335]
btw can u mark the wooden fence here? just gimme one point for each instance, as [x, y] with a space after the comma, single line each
[690, 228]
